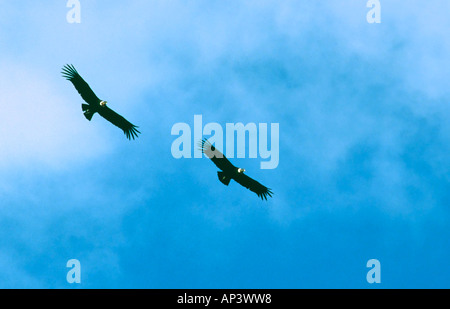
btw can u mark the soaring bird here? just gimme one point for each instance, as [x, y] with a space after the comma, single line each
[95, 105]
[229, 171]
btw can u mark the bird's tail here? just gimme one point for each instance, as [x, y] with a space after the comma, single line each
[88, 113]
[224, 178]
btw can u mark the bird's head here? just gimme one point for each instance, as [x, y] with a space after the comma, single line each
[241, 170]
[103, 103]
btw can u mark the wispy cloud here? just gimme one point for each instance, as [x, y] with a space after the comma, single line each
[39, 125]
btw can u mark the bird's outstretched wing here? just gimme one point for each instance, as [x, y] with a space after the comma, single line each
[215, 155]
[128, 128]
[253, 185]
[70, 73]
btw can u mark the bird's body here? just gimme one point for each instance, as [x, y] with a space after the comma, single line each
[229, 171]
[95, 105]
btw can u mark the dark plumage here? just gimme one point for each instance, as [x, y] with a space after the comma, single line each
[229, 171]
[95, 105]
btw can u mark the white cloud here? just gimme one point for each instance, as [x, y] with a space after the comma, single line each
[39, 124]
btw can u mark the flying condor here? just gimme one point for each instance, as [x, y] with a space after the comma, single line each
[229, 171]
[95, 105]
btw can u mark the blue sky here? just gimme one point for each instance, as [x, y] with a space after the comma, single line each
[364, 171]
